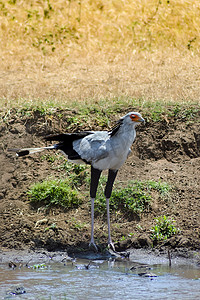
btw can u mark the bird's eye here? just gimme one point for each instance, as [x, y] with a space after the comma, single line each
[133, 117]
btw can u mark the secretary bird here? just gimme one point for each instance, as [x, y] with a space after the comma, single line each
[102, 150]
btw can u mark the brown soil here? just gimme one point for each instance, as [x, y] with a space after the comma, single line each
[168, 150]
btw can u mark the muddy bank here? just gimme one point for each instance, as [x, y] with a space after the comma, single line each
[18, 258]
[167, 150]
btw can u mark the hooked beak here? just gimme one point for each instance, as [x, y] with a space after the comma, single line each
[141, 120]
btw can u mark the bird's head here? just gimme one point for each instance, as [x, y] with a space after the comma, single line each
[134, 118]
[131, 119]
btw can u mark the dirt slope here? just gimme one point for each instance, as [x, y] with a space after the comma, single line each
[168, 150]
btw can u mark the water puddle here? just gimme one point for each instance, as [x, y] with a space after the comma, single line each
[58, 277]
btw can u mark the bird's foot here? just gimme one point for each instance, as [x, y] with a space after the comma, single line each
[111, 246]
[93, 246]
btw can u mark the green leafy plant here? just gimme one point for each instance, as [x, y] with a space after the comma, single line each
[163, 229]
[128, 236]
[53, 226]
[55, 193]
[49, 158]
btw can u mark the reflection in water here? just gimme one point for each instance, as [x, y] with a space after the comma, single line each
[100, 279]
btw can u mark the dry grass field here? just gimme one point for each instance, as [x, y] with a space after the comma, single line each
[59, 52]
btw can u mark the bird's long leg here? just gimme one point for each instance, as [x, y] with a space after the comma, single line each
[92, 224]
[108, 190]
[110, 243]
[95, 175]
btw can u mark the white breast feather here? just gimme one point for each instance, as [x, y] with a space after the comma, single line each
[103, 151]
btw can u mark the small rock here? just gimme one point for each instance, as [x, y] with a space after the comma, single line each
[40, 222]
[12, 265]
[144, 274]
[18, 290]
[136, 267]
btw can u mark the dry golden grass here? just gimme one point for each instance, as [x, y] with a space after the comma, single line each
[90, 26]
[89, 50]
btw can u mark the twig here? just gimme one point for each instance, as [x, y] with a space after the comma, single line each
[169, 257]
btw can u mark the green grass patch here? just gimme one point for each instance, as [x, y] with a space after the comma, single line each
[163, 229]
[134, 198]
[55, 193]
[63, 192]
[51, 158]
[162, 187]
[104, 113]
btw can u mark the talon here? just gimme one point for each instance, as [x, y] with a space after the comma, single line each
[111, 246]
[93, 246]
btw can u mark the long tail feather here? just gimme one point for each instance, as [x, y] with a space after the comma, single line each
[27, 151]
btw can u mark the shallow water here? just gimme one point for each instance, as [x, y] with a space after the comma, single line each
[101, 279]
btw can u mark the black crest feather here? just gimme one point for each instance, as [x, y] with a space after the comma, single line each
[116, 127]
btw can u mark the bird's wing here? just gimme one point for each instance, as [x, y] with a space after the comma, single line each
[93, 147]
[67, 137]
